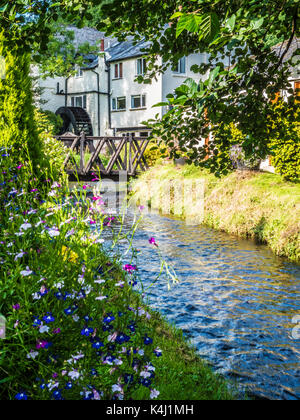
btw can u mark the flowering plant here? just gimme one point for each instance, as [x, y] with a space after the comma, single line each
[75, 329]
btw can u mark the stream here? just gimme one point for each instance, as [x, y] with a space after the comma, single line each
[235, 301]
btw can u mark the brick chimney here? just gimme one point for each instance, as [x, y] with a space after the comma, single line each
[102, 45]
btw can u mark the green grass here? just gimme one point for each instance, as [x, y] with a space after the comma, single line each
[256, 205]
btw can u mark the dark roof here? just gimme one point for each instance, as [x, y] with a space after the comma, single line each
[126, 49]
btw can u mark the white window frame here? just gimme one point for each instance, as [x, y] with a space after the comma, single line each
[79, 72]
[119, 76]
[143, 103]
[179, 67]
[143, 66]
[115, 103]
[84, 101]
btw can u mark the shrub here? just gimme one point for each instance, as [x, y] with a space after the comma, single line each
[285, 143]
[154, 152]
[53, 151]
[48, 122]
[18, 129]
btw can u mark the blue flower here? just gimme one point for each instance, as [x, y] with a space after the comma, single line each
[87, 331]
[57, 395]
[69, 385]
[97, 344]
[94, 372]
[146, 382]
[131, 327]
[36, 322]
[128, 378]
[49, 318]
[107, 327]
[21, 396]
[110, 318]
[147, 340]
[122, 338]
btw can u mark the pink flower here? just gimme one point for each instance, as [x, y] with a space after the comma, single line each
[152, 241]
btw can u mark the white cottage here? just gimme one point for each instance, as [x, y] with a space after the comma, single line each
[103, 98]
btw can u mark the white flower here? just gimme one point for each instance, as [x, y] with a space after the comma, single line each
[26, 272]
[70, 233]
[101, 297]
[43, 328]
[100, 281]
[26, 226]
[19, 233]
[76, 318]
[59, 285]
[32, 355]
[53, 233]
[52, 194]
[120, 284]
[117, 388]
[154, 394]
[20, 255]
[145, 374]
[36, 296]
[74, 374]
[51, 385]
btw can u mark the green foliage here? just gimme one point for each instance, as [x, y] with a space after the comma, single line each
[240, 79]
[154, 152]
[48, 122]
[18, 129]
[53, 151]
[285, 143]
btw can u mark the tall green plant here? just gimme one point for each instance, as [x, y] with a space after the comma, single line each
[18, 130]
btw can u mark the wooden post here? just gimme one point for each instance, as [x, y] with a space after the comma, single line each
[82, 144]
[125, 155]
[130, 154]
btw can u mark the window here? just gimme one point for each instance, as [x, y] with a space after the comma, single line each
[79, 72]
[118, 74]
[141, 66]
[144, 134]
[181, 66]
[119, 104]
[138, 101]
[79, 101]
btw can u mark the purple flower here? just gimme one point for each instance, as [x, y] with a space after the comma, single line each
[16, 307]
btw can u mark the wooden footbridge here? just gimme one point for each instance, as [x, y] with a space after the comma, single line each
[108, 155]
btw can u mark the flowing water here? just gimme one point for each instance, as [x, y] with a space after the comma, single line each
[236, 301]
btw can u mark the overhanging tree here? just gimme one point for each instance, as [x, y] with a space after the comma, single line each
[240, 33]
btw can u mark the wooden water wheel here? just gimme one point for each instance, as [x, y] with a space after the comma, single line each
[75, 120]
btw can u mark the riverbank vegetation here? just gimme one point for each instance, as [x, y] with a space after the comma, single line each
[74, 323]
[257, 205]
[76, 328]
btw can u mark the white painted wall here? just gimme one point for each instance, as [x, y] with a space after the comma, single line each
[126, 87]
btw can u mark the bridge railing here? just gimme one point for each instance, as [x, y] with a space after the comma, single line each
[107, 154]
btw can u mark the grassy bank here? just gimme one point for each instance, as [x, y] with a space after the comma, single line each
[256, 205]
[75, 323]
